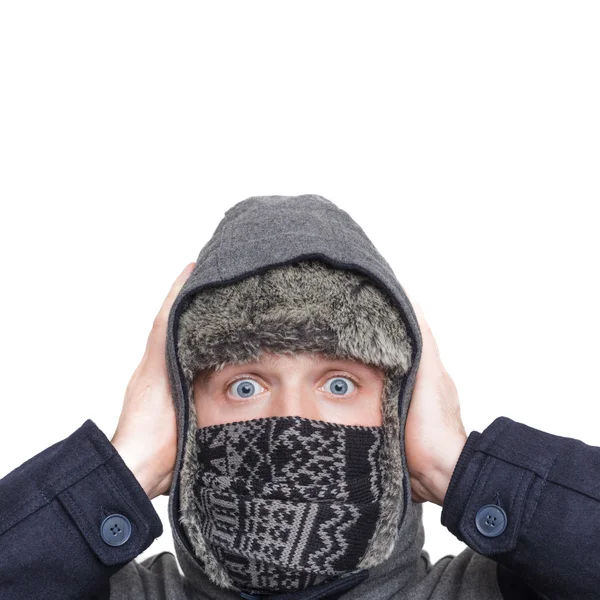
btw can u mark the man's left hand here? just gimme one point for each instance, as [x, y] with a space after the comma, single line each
[435, 435]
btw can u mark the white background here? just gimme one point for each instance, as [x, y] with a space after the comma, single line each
[463, 137]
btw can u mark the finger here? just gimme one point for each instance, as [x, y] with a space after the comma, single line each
[418, 312]
[430, 353]
[155, 348]
[163, 314]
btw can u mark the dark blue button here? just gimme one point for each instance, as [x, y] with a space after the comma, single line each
[491, 520]
[115, 530]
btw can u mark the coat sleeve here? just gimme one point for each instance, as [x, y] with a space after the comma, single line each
[52, 511]
[529, 500]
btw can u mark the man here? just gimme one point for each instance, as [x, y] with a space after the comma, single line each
[272, 406]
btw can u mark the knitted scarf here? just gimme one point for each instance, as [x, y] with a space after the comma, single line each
[288, 502]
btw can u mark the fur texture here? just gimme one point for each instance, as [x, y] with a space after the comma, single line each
[307, 306]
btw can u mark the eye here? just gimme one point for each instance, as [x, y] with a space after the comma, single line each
[339, 386]
[244, 388]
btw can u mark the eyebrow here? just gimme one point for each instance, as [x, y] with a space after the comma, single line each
[202, 377]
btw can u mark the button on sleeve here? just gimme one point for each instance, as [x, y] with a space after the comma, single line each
[495, 470]
[111, 497]
[52, 511]
[490, 520]
[519, 495]
[115, 530]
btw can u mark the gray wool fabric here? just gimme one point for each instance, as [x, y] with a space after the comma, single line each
[266, 237]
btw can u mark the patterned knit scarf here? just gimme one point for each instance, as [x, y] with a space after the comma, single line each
[288, 502]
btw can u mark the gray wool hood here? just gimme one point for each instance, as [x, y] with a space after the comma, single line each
[257, 235]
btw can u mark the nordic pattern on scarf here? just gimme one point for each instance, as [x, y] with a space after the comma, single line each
[288, 502]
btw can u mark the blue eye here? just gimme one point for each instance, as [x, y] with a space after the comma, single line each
[244, 387]
[339, 385]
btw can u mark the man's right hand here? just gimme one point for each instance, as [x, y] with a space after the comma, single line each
[146, 435]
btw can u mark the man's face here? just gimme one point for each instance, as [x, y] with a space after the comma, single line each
[306, 385]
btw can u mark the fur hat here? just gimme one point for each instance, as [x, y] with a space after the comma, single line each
[305, 306]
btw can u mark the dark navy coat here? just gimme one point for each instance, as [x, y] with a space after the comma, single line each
[53, 505]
